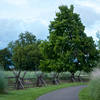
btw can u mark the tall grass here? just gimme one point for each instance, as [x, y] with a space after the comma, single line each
[94, 85]
[3, 82]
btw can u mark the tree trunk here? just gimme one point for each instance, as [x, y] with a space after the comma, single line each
[40, 81]
[22, 79]
[79, 78]
[19, 83]
[73, 77]
[56, 79]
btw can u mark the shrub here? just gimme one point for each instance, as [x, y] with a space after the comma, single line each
[3, 82]
[94, 85]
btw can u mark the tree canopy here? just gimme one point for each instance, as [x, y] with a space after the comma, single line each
[68, 48]
[26, 52]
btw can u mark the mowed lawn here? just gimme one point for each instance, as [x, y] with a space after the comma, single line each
[33, 93]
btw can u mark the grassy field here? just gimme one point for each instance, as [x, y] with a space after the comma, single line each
[29, 74]
[33, 93]
[84, 94]
[32, 74]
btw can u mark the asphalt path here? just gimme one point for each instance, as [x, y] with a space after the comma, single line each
[70, 93]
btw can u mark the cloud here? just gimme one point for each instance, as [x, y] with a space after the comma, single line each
[88, 16]
[93, 4]
[92, 30]
[11, 28]
[17, 2]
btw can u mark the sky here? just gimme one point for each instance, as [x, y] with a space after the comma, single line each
[18, 16]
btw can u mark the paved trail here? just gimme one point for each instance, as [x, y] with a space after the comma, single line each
[70, 93]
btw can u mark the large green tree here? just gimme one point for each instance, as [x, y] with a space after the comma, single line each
[68, 47]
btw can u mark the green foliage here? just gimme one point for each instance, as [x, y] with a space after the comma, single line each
[24, 39]
[68, 48]
[5, 55]
[25, 52]
[27, 57]
[3, 83]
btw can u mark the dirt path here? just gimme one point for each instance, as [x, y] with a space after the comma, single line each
[70, 93]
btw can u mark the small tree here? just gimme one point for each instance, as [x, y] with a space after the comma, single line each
[26, 55]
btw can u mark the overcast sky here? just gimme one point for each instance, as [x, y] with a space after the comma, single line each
[34, 16]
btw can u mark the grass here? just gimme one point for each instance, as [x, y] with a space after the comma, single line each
[3, 82]
[33, 93]
[31, 74]
[92, 92]
[84, 94]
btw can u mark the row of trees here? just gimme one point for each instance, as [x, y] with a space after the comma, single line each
[67, 48]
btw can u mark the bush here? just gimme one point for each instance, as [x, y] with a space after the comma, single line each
[3, 82]
[94, 85]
